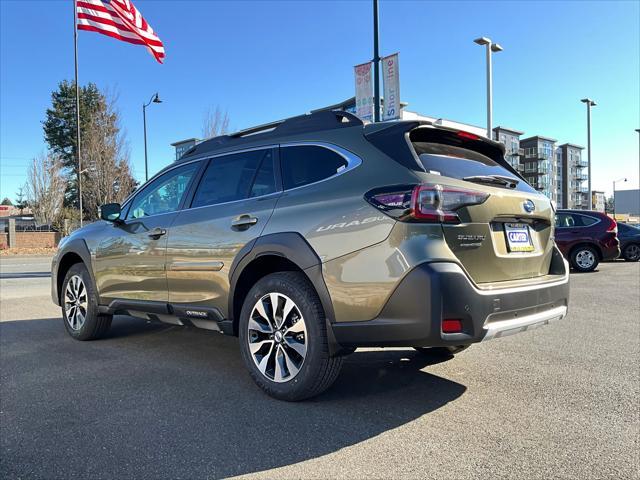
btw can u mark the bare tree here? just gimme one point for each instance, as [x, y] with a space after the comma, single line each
[45, 188]
[216, 122]
[106, 158]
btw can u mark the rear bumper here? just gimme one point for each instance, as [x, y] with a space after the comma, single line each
[432, 292]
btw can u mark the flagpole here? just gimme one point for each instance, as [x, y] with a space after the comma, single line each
[78, 156]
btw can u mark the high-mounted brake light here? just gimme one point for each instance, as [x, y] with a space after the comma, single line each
[425, 203]
[468, 136]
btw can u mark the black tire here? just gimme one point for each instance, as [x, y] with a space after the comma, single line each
[631, 252]
[317, 370]
[441, 352]
[95, 325]
[584, 258]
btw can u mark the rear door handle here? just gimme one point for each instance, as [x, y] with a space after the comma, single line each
[156, 233]
[244, 221]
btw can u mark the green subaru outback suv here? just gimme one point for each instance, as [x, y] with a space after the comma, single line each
[310, 237]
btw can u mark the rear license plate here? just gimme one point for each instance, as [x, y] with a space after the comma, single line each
[518, 237]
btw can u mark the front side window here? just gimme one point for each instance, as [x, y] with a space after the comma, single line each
[305, 164]
[236, 177]
[164, 194]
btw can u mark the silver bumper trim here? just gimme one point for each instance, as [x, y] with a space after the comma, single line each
[503, 328]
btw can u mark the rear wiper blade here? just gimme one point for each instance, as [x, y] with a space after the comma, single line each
[511, 180]
[494, 179]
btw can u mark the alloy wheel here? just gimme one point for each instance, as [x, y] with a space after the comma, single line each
[76, 302]
[633, 252]
[585, 259]
[277, 337]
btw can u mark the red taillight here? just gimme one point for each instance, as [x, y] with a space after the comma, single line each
[451, 325]
[424, 203]
[468, 136]
[613, 225]
[437, 203]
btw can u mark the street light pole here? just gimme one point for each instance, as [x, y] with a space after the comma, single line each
[154, 99]
[490, 48]
[590, 103]
[614, 194]
[376, 65]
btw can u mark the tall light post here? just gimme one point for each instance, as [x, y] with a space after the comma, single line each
[490, 48]
[638, 130]
[376, 65]
[154, 99]
[590, 103]
[614, 194]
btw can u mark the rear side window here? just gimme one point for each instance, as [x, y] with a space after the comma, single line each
[457, 162]
[305, 164]
[235, 177]
[583, 220]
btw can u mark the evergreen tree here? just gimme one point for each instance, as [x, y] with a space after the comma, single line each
[6, 201]
[60, 128]
[105, 157]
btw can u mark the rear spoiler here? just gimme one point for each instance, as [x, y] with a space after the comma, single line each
[395, 139]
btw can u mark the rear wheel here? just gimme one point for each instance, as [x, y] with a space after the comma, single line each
[441, 352]
[631, 252]
[283, 338]
[584, 258]
[79, 303]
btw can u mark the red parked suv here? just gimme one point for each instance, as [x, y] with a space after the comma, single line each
[586, 238]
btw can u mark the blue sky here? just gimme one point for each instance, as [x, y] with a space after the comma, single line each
[267, 60]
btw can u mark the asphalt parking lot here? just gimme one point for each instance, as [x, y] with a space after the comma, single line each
[154, 401]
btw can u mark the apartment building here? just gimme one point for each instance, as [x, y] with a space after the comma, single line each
[539, 165]
[510, 138]
[572, 171]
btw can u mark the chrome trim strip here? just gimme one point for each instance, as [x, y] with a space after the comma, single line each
[206, 266]
[503, 328]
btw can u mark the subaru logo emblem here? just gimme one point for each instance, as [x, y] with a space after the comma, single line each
[528, 206]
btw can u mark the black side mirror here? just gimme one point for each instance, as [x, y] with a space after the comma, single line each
[110, 212]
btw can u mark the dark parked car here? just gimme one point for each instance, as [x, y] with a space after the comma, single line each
[586, 238]
[629, 237]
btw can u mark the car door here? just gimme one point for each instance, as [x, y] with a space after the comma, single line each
[130, 260]
[230, 207]
[565, 232]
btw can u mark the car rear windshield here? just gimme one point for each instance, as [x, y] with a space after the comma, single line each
[457, 162]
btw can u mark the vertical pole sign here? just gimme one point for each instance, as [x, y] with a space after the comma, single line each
[391, 86]
[364, 92]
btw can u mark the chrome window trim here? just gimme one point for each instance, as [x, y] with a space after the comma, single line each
[353, 161]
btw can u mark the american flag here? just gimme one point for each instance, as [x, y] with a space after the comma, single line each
[119, 19]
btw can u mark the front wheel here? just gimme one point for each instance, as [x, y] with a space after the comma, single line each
[584, 259]
[283, 338]
[79, 303]
[631, 252]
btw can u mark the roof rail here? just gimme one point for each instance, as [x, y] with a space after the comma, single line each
[322, 120]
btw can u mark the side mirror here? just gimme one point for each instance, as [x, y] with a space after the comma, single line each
[110, 212]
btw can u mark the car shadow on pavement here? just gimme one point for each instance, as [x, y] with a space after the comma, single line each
[172, 402]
